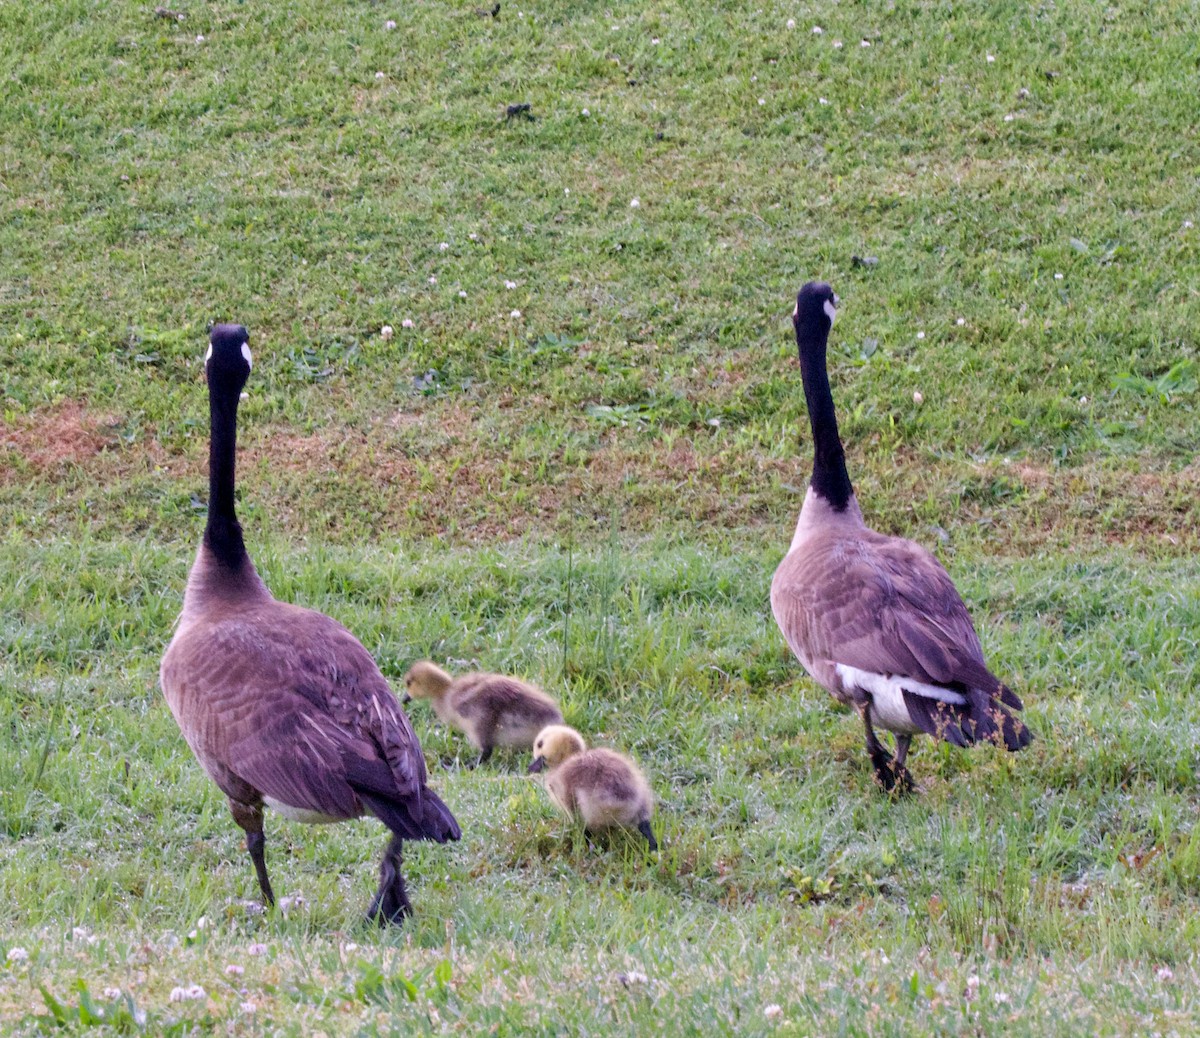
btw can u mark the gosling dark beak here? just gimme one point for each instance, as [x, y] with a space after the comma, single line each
[407, 699]
[538, 764]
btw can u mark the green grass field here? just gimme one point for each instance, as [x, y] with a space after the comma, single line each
[579, 458]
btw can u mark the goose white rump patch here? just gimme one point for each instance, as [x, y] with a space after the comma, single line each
[299, 814]
[887, 695]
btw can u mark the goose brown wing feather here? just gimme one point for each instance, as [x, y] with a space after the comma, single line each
[879, 604]
[285, 698]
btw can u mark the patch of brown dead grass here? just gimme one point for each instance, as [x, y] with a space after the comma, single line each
[66, 434]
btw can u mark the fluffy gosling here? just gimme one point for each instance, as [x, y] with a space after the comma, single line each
[490, 709]
[600, 786]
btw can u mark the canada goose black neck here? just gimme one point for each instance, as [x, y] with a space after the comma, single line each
[813, 318]
[227, 367]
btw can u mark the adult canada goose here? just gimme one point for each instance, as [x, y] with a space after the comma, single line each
[876, 619]
[490, 709]
[282, 705]
[600, 786]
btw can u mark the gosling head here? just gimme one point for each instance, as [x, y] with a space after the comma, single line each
[553, 745]
[425, 680]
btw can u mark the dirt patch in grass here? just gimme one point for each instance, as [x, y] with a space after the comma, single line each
[65, 434]
[471, 474]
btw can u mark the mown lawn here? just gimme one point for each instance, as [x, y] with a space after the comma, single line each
[578, 457]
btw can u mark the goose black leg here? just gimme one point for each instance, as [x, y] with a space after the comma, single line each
[646, 831]
[251, 820]
[890, 773]
[390, 904]
[485, 756]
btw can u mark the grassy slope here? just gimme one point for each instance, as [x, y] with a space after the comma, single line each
[644, 408]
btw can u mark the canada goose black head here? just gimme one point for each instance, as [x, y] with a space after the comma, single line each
[227, 362]
[816, 308]
[554, 744]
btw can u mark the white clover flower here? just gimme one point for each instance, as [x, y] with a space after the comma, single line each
[585, 112]
[443, 246]
[1164, 973]
[961, 321]
[408, 323]
[234, 970]
[199, 39]
[432, 279]
[865, 43]
[991, 58]
[1009, 118]
[191, 993]
[837, 44]
[918, 397]
[1188, 225]
[762, 101]
[248, 1007]
[515, 315]
[257, 949]
[655, 40]
[473, 236]
[17, 955]
[379, 75]
[791, 23]
[290, 901]
[111, 994]
[822, 100]
[773, 1012]
[920, 335]
[510, 284]
[817, 30]
[462, 294]
[634, 203]
[386, 332]
[1058, 277]
[389, 25]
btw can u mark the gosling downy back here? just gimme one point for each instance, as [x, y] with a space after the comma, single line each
[490, 709]
[601, 787]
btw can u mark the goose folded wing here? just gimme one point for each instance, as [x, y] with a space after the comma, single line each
[293, 759]
[296, 701]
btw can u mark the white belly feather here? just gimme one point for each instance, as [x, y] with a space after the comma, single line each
[300, 814]
[887, 695]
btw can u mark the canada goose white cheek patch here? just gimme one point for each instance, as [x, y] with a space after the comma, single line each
[830, 310]
[245, 355]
